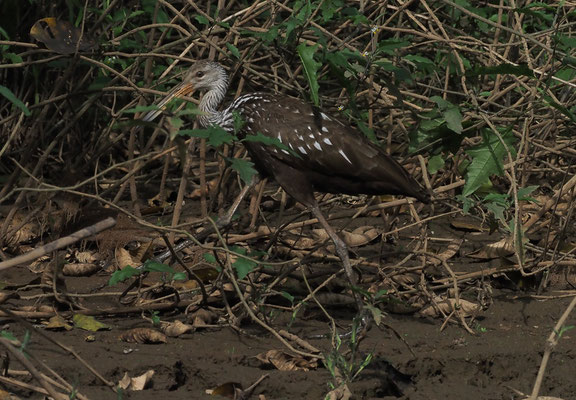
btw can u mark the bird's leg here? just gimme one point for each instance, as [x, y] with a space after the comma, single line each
[255, 203]
[341, 250]
[227, 218]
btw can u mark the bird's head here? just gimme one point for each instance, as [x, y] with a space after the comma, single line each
[203, 75]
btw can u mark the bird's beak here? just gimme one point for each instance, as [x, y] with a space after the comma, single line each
[180, 90]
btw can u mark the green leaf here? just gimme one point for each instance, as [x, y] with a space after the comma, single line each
[88, 323]
[4, 91]
[269, 141]
[209, 257]
[121, 275]
[417, 59]
[487, 160]
[560, 107]
[288, 296]
[435, 163]
[234, 50]
[138, 109]
[244, 168]
[524, 192]
[215, 135]
[8, 335]
[389, 45]
[450, 112]
[243, 267]
[503, 69]
[311, 67]
[368, 132]
[154, 266]
[155, 317]
[14, 58]
[498, 211]
[202, 19]
[180, 276]
[238, 121]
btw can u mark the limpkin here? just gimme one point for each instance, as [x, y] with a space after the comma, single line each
[332, 156]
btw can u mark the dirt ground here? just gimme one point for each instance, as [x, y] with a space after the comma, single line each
[414, 357]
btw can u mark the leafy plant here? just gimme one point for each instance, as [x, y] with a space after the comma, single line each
[346, 368]
[149, 266]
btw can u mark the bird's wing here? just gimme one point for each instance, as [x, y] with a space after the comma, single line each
[319, 141]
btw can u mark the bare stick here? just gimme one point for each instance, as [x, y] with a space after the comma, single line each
[59, 243]
[30, 367]
[551, 342]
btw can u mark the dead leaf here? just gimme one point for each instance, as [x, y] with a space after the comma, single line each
[502, 248]
[61, 36]
[468, 224]
[358, 237]
[58, 323]
[466, 309]
[4, 395]
[176, 328]
[447, 254]
[227, 389]
[202, 318]
[4, 296]
[89, 257]
[39, 265]
[186, 285]
[77, 269]
[39, 308]
[137, 383]
[197, 193]
[287, 362]
[407, 279]
[340, 393]
[143, 336]
[26, 230]
[124, 258]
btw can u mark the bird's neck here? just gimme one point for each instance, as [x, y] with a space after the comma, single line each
[209, 106]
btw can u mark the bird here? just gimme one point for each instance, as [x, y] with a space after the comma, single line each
[312, 150]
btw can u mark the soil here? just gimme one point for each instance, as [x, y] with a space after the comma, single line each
[413, 357]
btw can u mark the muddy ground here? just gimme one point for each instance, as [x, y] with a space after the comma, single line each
[414, 357]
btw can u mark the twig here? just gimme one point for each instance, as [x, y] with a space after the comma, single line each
[59, 243]
[551, 343]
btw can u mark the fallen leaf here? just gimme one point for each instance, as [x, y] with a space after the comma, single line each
[58, 323]
[340, 393]
[86, 257]
[502, 248]
[143, 336]
[88, 323]
[137, 383]
[4, 296]
[227, 389]
[467, 308]
[202, 317]
[176, 328]
[358, 237]
[8, 396]
[468, 224]
[197, 193]
[124, 258]
[447, 254]
[287, 362]
[80, 269]
[186, 285]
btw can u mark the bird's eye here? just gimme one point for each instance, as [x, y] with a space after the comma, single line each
[199, 74]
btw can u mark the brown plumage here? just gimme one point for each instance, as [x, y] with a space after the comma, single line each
[325, 154]
[331, 157]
